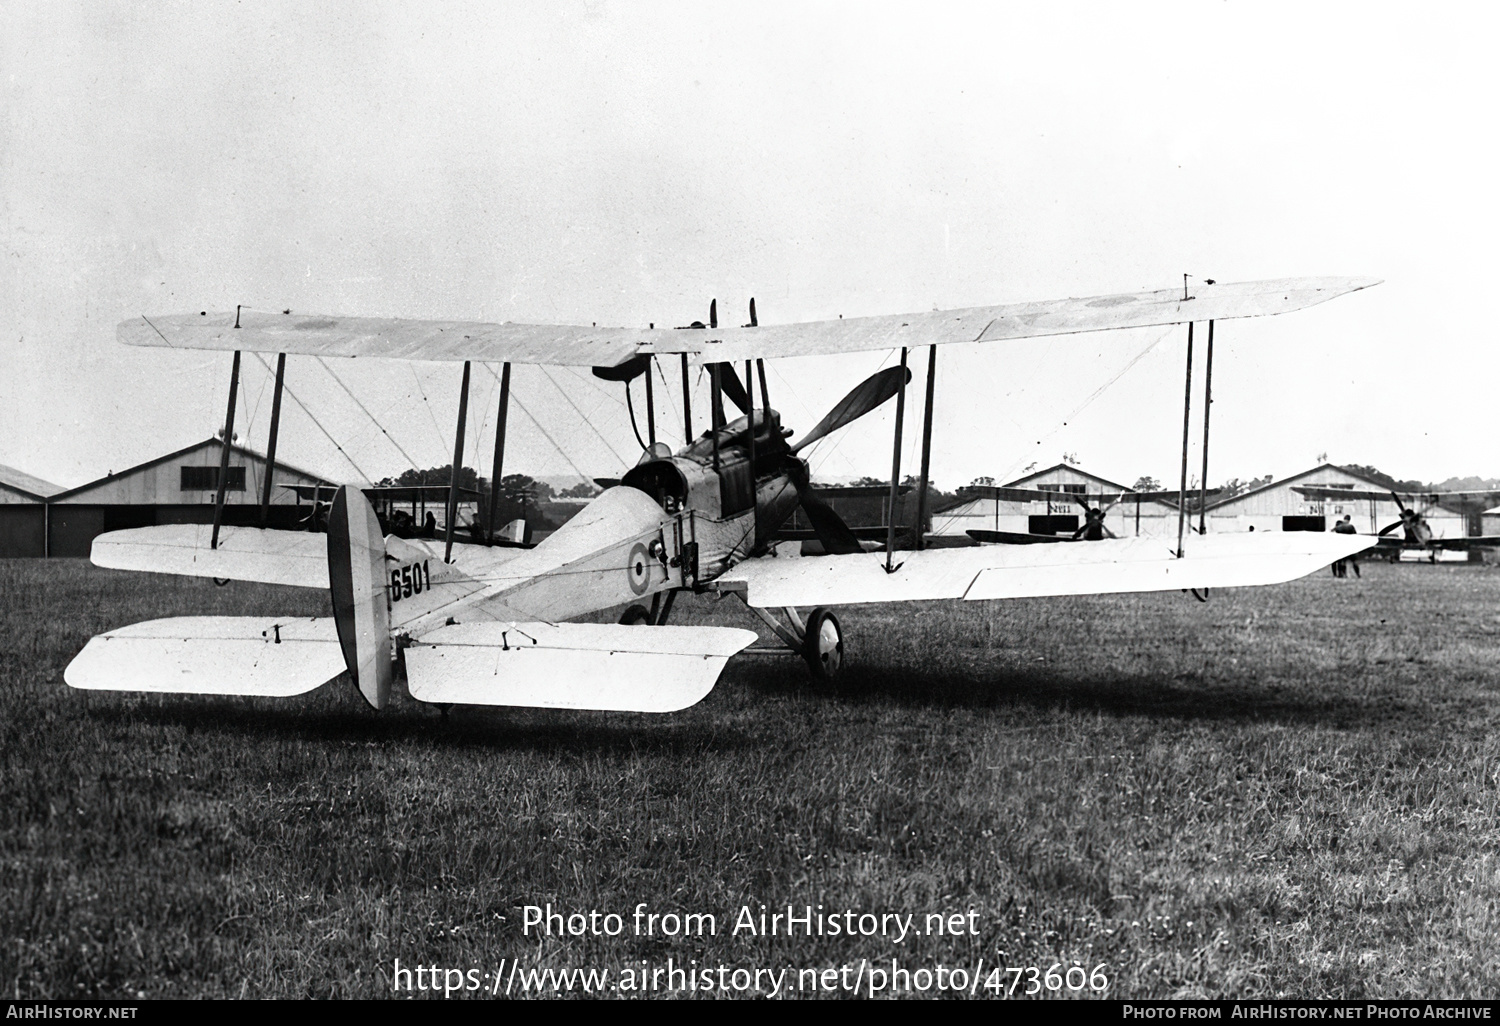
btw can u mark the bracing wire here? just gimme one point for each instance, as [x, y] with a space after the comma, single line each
[367, 413]
[316, 423]
[1095, 394]
[438, 431]
[538, 425]
[581, 416]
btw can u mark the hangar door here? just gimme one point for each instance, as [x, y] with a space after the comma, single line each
[1304, 523]
[22, 531]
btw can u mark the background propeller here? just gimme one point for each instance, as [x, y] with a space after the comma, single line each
[1093, 516]
[1410, 518]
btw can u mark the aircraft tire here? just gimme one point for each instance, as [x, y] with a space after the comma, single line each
[636, 615]
[823, 645]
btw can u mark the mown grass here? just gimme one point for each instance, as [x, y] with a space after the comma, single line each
[1287, 791]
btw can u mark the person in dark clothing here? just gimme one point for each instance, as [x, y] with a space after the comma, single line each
[1344, 526]
[429, 526]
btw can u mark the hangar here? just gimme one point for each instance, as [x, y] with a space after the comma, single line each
[23, 513]
[1135, 515]
[178, 488]
[1278, 506]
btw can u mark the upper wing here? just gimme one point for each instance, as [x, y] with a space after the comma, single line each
[1026, 571]
[608, 347]
[1322, 493]
[1460, 501]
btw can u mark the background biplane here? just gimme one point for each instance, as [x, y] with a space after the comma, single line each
[1416, 532]
[484, 624]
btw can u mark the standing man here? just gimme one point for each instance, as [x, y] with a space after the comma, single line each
[1344, 526]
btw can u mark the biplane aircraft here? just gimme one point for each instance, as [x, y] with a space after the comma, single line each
[488, 624]
[1096, 510]
[1416, 533]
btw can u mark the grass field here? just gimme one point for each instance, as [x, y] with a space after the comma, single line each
[1288, 791]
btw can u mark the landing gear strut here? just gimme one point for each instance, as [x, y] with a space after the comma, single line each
[819, 640]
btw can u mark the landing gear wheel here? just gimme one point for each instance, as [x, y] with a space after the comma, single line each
[823, 645]
[635, 616]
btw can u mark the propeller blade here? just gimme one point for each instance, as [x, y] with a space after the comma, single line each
[866, 396]
[1399, 504]
[713, 313]
[837, 538]
[729, 383]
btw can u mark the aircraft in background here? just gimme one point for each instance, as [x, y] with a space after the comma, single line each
[1416, 532]
[490, 625]
[1093, 527]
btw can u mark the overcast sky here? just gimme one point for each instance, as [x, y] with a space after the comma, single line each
[624, 163]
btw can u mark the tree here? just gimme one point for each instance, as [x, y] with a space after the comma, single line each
[1384, 479]
[1146, 483]
[468, 477]
[871, 482]
[582, 490]
[982, 482]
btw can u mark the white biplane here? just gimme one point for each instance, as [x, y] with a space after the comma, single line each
[488, 624]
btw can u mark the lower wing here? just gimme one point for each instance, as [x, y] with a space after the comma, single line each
[1479, 542]
[1026, 571]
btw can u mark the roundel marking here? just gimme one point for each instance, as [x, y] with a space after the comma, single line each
[638, 568]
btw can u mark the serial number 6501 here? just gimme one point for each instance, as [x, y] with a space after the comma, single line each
[410, 580]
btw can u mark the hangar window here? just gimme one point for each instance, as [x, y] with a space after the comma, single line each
[206, 479]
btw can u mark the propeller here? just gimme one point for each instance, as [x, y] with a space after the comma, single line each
[1410, 518]
[1093, 528]
[866, 396]
[835, 535]
[729, 384]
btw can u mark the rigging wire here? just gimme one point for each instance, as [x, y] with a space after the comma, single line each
[316, 423]
[1095, 394]
[538, 425]
[367, 413]
[438, 431]
[581, 416]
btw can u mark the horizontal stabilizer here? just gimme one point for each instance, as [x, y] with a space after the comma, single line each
[1030, 571]
[212, 655]
[297, 558]
[571, 665]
